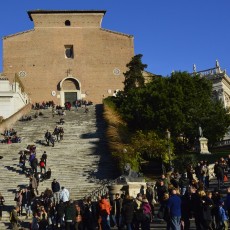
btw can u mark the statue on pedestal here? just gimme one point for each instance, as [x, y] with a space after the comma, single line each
[203, 143]
[131, 175]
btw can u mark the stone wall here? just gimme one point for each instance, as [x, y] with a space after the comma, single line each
[12, 99]
[9, 122]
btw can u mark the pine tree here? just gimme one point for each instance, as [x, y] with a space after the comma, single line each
[133, 76]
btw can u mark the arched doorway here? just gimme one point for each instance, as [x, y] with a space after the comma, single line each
[70, 90]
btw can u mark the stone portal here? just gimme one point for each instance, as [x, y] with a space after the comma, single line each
[70, 90]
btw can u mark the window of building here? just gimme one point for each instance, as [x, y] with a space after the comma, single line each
[67, 23]
[69, 51]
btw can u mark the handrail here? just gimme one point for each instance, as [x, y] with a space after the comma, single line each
[23, 97]
[103, 189]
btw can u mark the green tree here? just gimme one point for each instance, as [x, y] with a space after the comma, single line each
[180, 103]
[133, 76]
[150, 146]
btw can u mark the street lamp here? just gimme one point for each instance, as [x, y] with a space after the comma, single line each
[168, 136]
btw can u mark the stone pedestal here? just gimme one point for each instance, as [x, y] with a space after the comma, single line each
[116, 188]
[203, 147]
[135, 187]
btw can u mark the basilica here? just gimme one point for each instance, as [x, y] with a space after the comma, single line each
[67, 56]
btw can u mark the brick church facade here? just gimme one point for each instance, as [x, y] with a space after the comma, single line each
[67, 56]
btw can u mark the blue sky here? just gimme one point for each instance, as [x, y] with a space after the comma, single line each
[171, 34]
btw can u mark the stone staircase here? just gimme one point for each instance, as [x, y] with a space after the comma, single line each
[81, 162]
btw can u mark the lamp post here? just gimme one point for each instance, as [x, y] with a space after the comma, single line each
[168, 136]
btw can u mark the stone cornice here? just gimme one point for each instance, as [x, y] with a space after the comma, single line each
[64, 12]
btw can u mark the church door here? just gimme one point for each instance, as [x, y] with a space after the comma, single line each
[70, 97]
[70, 90]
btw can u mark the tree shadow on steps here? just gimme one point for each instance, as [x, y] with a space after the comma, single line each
[107, 169]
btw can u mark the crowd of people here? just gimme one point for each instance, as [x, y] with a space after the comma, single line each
[188, 195]
[56, 135]
[10, 136]
[25, 118]
[43, 105]
[29, 155]
[80, 103]
[180, 197]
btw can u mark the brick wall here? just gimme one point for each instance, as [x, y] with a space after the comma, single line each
[41, 54]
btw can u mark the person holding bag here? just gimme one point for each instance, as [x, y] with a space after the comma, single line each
[147, 213]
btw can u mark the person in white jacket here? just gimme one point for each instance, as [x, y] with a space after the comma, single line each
[64, 194]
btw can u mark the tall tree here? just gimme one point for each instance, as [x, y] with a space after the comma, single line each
[134, 75]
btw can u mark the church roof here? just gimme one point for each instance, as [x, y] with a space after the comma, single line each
[64, 12]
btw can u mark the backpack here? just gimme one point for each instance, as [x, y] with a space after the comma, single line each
[42, 164]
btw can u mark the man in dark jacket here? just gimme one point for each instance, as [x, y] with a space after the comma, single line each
[26, 201]
[183, 183]
[116, 210]
[34, 165]
[47, 137]
[60, 207]
[207, 205]
[219, 171]
[56, 190]
[44, 157]
[128, 211]
[90, 214]
[161, 190]
[150, 196]
[70, 215]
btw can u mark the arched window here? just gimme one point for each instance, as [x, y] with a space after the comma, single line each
[67, 23]
[69, 51]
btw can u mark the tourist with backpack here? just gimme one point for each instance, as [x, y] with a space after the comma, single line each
[42, 165]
